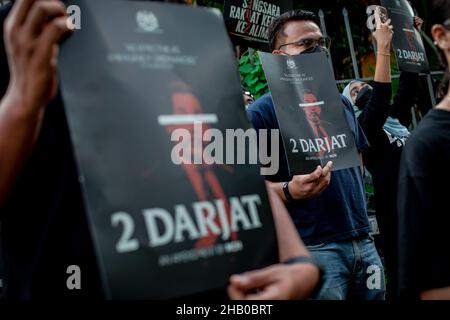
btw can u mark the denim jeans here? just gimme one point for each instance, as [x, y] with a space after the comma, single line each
[353, 270]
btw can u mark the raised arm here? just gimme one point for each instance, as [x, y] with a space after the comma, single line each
[31, 34]
[374, 115]
[409, 87]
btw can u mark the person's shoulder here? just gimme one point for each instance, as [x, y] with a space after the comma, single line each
[426, 136]
[427, 132]
[261, 113]
[261, 105]
[422, 144]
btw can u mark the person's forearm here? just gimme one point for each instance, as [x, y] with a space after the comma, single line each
[291, 245]
[436, 294]
[19, 127]
[361, 160]
[383, 64]
[289, 242]
[277, 187]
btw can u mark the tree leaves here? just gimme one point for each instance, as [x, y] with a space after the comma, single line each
[252, 74]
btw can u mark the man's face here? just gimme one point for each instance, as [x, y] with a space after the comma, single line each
[296, 31]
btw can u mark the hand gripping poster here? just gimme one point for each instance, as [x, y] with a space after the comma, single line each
[407, 42]
[310, 112]
[142, 89]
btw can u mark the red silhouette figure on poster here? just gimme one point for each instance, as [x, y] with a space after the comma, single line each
[201, 176]
[410, 37]
[313, 108]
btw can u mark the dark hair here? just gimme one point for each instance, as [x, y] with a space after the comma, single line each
[439, 14]
[276, 29]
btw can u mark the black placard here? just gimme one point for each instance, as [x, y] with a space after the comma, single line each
[130, 78]
[248, 20]
[310, 112]
[407, 42]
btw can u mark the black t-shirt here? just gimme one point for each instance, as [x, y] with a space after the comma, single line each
[44, 225]
[423, 207]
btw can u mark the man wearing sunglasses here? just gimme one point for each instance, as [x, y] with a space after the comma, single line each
[305, 45]
[328, 208]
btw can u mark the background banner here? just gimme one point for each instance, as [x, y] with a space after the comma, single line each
[248, 20]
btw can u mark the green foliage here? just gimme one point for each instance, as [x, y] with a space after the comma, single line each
[252, 74]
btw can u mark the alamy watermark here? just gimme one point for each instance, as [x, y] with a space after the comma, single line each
[74, 17]
[375, 277]
[73, 281]
[196, 143]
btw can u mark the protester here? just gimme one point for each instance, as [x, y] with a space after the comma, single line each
[424, 261]
[387, 136]
[44, 225]
[328, 208]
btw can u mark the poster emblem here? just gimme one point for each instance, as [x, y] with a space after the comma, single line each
[291, 64]
[147, 22]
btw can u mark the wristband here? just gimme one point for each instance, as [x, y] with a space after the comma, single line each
[286, 192]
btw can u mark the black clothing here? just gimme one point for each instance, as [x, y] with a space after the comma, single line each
[44, 224]
[424, 212]
[382, 161]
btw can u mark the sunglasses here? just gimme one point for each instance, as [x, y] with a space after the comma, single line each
[308, 44]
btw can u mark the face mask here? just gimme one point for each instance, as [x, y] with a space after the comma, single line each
[363, 97]
[316, 49]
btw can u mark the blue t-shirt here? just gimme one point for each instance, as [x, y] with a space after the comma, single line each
[339, 212]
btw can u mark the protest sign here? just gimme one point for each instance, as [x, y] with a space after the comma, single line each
[162, 227]
[310, 112]
[407, 42]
